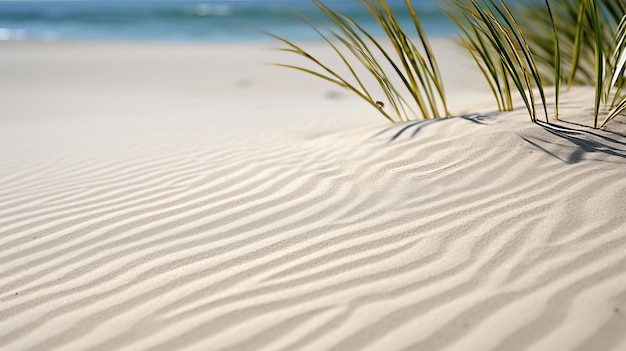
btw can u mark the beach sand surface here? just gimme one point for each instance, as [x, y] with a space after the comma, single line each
[192, 197]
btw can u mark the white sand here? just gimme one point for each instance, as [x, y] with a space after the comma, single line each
[169, 197]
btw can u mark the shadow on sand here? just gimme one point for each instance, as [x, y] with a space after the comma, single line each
[585, 139]
[414, 127]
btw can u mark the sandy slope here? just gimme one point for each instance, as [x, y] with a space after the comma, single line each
[160, 197]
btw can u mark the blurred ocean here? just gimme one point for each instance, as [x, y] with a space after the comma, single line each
[184, 20]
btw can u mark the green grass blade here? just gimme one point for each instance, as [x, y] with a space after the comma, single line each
[407, 58]
[619, 109]
[433, 66]
[557, 62]
[578, 41]
[479, 54]
[525, 49]
[332, 76]
[616, 77]
[599, 66]
[618, 63]
[505, 47]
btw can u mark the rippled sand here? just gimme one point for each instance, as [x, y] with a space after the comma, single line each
[166, 197]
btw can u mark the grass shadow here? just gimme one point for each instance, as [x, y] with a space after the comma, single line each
[586, 141]
[604, 130]
[414, 127]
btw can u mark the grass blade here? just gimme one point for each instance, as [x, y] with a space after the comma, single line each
[419, 73]
[557, 62]
[596, 24]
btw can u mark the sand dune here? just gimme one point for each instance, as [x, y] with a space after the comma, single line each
[188, 231]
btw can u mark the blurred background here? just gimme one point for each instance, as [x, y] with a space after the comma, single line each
[185, 20]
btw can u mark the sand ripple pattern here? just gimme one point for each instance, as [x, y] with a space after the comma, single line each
[425, 236]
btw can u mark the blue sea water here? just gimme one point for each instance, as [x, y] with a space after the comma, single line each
[185, 20]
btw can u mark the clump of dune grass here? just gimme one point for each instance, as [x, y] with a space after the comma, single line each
[589, 43]
[602, 22]
[412, 63]
[597, 50]
[576, 34]
[518, 47]
[530, 44]
[496, 42]
[477, 40]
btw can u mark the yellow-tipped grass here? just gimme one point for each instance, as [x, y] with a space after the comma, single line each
[608, 68]
[594, 16]
[598, 22]
[575, 35]
[589, 40]
[584, 34]
[615, 76]
[359, 51]
[495, 33]
[475, 39]
[557, 61]
[554, 41]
